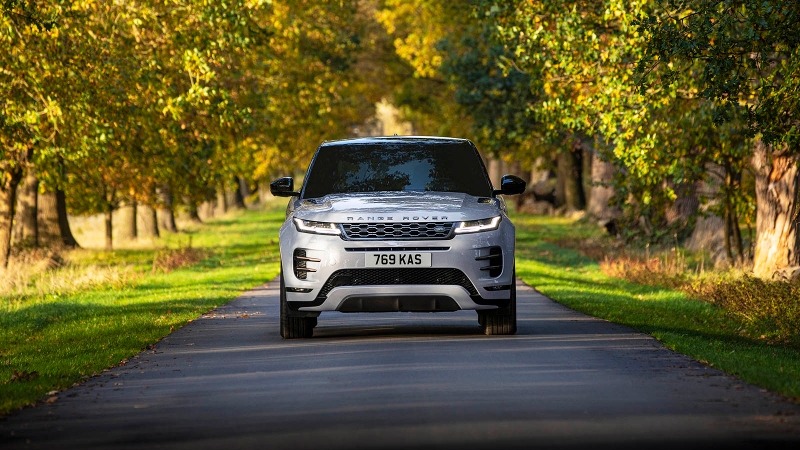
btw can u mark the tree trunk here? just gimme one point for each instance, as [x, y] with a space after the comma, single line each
[26, 231]
[601, 191]
[149, 221]
[8, 193]
[244, 188]
[238, 198]
[685, 205]
[166, 216]
[63, 222]
[538, 172]
[728, 251]
[562, 173]
[733, 235]
[133, 225]
[737, 237]
[263, 192]
[109, 227]
[709, 229]
[194, 216]
[206, 210]
[166, 220]
[47, 221]
[222, 200]
[127, 228]
[587, 159]
[777, 222]
[495, 171]
[569, 192]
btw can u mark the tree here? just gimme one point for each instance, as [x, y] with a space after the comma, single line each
[749, 55]
[28, 116]
[424, 93]
[579, 58]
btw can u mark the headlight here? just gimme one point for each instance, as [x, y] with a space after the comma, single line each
[473, 226]
[310, 226]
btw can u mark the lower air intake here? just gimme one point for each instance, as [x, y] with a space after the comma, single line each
[388, 277]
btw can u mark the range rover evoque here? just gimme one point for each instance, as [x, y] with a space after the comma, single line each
[397, 224]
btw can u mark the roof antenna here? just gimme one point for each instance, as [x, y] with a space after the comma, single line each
[395, 134]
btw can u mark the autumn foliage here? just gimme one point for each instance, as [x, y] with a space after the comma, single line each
[682, 112]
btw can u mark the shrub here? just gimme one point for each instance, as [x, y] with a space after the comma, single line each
[649, 272]
[770, 309]
[167, 260]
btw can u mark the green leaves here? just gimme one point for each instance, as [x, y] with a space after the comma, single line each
[747, 53]
[131, 96]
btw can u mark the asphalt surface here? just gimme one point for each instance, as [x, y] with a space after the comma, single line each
[566, 380]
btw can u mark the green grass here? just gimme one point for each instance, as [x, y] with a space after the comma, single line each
[698, 329]
[62, 339]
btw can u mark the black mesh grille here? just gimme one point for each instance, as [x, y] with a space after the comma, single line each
[300, 264]
[398, 230]
[493, 261]
[383, 277]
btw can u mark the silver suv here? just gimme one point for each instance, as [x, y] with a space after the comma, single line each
[391, 224]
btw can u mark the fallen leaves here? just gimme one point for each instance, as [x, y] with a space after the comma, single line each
[21, 375]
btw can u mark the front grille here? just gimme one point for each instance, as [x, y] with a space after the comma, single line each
[398, 230]
[385, 277]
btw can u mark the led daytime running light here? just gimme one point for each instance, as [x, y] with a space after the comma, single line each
[310, 226]
[474, 226]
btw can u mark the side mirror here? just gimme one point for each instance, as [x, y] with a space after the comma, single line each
[283, 187]
[510, 185]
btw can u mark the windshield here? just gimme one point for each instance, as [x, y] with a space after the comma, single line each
[397, 166]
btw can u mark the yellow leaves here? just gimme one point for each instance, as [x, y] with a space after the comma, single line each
[420, 26]
[196, 66]
[257, 4]
[31, 117]
[387, 18]
[52, 110]
[84, 5]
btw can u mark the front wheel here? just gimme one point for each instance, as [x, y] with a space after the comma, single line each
[501, 321]
[294, 327]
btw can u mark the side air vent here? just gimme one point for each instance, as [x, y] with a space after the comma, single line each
[493, 261]
[301, 261]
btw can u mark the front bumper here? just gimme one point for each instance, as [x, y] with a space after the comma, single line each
[466, 253]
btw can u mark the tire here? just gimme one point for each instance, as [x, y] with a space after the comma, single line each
[501, 321]
[294, 327]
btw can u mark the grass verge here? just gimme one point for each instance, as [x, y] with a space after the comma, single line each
[701, 330]
[51, 340]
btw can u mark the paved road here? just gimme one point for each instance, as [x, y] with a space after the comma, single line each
[565, 380]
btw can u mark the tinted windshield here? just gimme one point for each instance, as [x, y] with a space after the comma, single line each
[397, 166]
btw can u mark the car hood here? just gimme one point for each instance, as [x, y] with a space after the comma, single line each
[397, 207]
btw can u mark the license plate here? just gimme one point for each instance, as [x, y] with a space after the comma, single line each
[398, 259]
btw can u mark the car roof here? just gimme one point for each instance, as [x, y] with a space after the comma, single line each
[387, 139]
